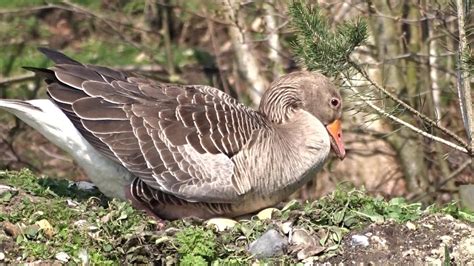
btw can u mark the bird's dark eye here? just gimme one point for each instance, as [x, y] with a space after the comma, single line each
[334, 102]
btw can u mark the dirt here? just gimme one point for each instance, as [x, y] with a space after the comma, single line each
[434, 239]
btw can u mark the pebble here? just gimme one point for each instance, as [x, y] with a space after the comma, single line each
[266, 213]
[10, 229]
[83, 256]
[446, 239]
[286, 227]
[379, 242]
[62, 256]
[5, 188]
[306, 245]
[83, 185]
[72, 203]
[302, 237]
[2, 256]
[270, 244]
[410, 225]
[410, 253]
[221, 224]
[360, 240]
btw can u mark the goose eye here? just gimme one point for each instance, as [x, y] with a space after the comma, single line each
[335, 102]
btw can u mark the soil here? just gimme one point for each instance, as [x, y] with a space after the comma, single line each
[434, 239]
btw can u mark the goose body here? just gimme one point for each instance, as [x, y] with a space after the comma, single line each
[186, 150]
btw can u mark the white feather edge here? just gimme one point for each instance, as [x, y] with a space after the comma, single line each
[110, 177]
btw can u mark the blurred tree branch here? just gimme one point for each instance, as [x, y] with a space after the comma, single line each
[464, 83]
[246, 62]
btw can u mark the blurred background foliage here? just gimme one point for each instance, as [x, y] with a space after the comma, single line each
[240, 47]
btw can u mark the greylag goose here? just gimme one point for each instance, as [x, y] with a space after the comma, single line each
[186, 150]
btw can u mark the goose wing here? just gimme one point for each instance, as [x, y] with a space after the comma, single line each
[178, 139]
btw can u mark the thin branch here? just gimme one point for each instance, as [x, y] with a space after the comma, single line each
[423, 117]
[17, 79]
[382, 112]
[451, 176]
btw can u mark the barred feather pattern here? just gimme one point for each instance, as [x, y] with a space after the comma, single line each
[193, 149]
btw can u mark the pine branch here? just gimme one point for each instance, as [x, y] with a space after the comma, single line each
[317, 47]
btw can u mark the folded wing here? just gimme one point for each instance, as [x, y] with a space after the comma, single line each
[178, 139]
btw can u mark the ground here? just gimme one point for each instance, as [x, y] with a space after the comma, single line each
[50, 221]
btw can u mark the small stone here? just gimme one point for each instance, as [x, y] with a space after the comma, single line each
[360, 240]
[106, 218]
[427, 225]
[83, 256]
[83, 185]
[446, 239]
[410, 253]
[2, 256]
[302, 237]
[270, 244]
[5, 188]
[304, 244]
[7, 193]
[221, 224]
[448, 218]
[437, 252]
[432, 261]
[72, 203]
[62, 256]
[461, 226]
[80, 224]
[286, 227]
[410, 225]
[266, 213]
[379, 242]
[46, 227]
[309, 251]
[10, 229]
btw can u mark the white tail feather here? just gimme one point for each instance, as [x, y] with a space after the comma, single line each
[44, 116]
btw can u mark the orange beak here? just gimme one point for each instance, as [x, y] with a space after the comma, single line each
[335, 131]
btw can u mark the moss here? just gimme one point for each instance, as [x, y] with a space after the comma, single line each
[196, 243]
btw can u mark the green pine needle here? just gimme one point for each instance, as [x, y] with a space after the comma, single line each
[316, 46]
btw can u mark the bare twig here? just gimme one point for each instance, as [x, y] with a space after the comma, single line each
[382, 112]
[16, 79]
[451, 176]
[465, 147]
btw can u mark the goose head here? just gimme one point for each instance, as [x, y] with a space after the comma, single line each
[309, 91]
